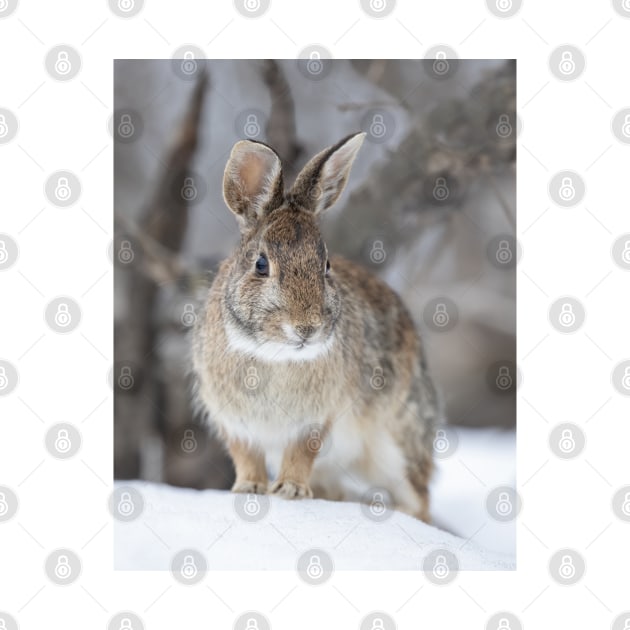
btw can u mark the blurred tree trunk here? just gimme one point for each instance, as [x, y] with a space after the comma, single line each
[152, 396]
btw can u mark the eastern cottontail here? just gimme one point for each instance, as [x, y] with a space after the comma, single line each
[308, 366]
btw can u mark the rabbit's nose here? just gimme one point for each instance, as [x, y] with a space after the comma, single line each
[306, 331]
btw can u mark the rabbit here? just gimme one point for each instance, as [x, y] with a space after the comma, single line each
[309, 366]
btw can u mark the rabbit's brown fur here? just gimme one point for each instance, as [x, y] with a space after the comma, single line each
[319, 377]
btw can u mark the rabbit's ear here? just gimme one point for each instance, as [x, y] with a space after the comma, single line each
[252, 182]
[323, 179]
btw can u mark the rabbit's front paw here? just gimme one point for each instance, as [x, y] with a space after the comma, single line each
[291, 489]
[250, 487]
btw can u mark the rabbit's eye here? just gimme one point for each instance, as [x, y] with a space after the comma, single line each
[262, 266]
[328, 267]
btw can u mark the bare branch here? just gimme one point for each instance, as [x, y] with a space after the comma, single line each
[281, 129]
[166, 216]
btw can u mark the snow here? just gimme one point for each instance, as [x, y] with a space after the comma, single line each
[176, 518]
[484, 459]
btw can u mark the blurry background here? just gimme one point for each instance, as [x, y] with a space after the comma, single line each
[430, 207]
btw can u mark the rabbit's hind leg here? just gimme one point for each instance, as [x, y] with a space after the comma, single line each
[419, 474]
